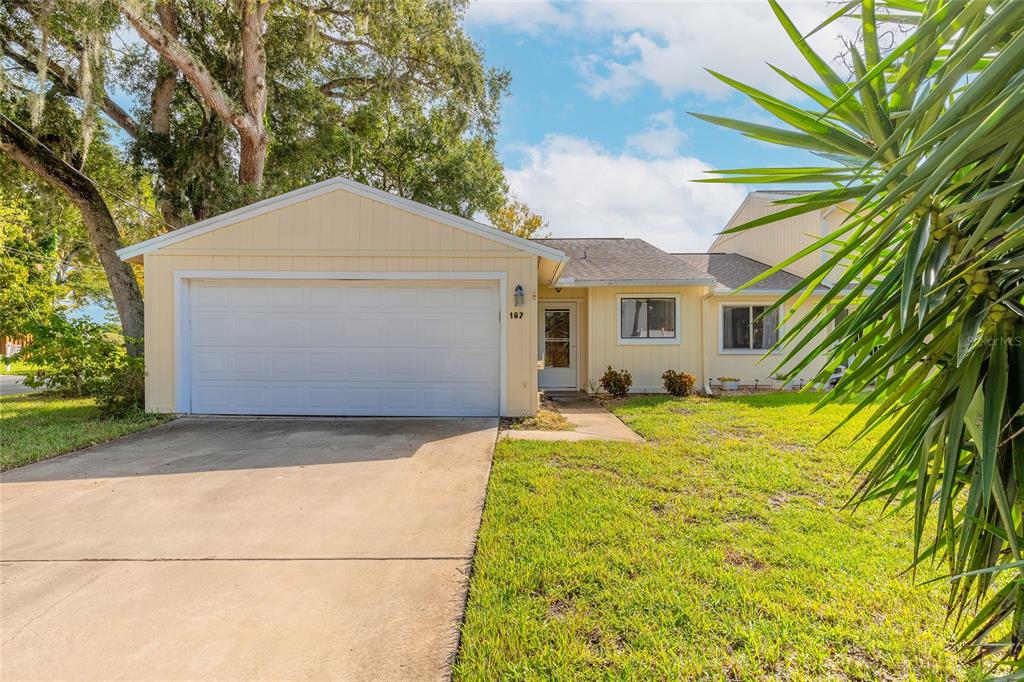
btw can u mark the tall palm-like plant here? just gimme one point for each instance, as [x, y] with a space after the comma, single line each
[925, 146]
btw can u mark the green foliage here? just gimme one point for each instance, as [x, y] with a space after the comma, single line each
[121, 389]
[517, 218]
[678, 383]
[927, 159]
[616, 382]
[28, 292]
[69, 355]
[392, 94]
[77, 357]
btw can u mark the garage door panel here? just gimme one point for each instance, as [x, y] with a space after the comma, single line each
[337, 348]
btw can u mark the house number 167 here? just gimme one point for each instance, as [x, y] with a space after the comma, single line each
[516, 315]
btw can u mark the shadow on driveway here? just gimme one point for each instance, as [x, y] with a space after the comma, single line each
[198, 444]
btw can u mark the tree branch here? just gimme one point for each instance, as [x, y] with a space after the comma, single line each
[168, 47]
[69, 84]
[37, 158]
[167, 74]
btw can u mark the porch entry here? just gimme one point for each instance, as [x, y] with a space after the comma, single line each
[558, 345]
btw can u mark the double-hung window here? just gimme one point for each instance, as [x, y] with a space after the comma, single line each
[748, 328]
[642, 318]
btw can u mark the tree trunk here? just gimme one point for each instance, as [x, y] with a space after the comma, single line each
[254, 137]
[252, 159]
[168, 192]
[35, 157]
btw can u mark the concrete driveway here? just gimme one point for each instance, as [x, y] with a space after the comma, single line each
[244, 549]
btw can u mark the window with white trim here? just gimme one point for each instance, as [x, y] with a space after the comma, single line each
[748, 327]
[647, 318]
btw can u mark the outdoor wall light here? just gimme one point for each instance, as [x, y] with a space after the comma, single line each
[520, 296]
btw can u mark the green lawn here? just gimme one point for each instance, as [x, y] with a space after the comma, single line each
[35, 426]
[716, 551]
[17, 367]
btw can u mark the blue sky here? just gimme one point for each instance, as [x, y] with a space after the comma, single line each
[596, 136]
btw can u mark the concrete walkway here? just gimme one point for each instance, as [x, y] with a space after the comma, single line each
[244, 549]
[589, 419]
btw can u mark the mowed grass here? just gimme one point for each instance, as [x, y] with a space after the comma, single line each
[16, 367]
[719, 550]
[35, 426]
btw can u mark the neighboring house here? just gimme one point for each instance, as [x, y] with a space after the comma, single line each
[339, 299]
[776, 242]
[14, 344]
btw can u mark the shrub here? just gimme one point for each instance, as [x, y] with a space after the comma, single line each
[122, 390]
[80, 358]
[616, 382]
[69, 356]
[678, 383]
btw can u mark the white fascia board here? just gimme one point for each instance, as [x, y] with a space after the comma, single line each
[724, 291]
[310, 191]
[569, 282]
[559, 269]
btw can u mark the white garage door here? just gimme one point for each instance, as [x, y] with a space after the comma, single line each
[343, 348]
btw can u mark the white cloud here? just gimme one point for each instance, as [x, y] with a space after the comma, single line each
[584, 190]
[670, 44]
[525, 16]
[661, 138]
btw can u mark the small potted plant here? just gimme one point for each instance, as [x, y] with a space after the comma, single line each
[729, 383]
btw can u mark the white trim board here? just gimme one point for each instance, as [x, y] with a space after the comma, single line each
[581, 283]
[324, 187]
[182, 278]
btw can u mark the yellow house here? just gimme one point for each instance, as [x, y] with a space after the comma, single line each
[339, 299]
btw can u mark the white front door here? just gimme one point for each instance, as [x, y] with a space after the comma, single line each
[558, 345]
[337, 347]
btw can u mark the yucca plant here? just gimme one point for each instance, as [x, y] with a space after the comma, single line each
[923, 145]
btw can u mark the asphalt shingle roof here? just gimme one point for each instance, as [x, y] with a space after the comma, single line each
[603, 259]
[733, 270]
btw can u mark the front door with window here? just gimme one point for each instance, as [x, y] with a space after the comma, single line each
[558, 346]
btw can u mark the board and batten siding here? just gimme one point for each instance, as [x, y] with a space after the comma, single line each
[775, 242]
[340, 232]
[645, 362]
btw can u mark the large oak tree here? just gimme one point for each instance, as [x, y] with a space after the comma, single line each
[220, 104]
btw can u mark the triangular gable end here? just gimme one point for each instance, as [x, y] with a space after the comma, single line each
[308, 203]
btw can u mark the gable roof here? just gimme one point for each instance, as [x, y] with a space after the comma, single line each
[324, 187]
[732, 271]
[623, 261]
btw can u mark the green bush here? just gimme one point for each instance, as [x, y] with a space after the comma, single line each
[82, 358]
[69, 356]
[616, 382]
[678, 383]
[122, 390]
